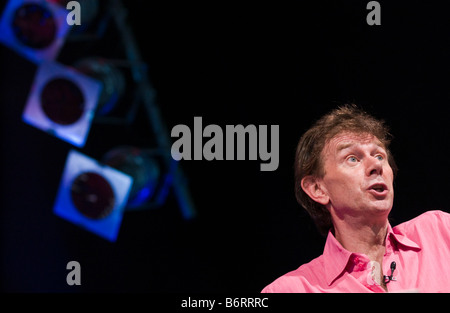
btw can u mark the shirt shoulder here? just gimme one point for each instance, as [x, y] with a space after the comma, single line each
[434, 224]
[429, 219]
[306, 278]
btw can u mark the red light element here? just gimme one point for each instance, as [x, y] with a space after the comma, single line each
[62, 101]
[34, 26]
[92, 195]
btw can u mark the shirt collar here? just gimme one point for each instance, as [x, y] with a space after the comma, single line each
[401, 238]
[337, 257]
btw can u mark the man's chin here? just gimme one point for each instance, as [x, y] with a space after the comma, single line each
[382, 209]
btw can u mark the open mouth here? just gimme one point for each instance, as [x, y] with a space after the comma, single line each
[379, 189]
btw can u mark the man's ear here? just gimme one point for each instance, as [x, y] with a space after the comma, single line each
[312, 187]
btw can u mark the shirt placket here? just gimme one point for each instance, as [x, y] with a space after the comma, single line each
[388, 260]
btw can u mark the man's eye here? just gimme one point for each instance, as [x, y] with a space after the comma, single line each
[352, 159]
[379, 157]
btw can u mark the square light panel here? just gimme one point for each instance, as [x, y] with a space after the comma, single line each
[92, 195]
[36, 29]
[62, 102]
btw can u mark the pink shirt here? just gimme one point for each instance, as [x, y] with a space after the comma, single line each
[420, 248]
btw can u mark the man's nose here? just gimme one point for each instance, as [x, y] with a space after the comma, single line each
[374, 166]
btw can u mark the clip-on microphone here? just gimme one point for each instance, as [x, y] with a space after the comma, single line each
[390, 277]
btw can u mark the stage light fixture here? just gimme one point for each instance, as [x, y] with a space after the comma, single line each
[95, 195]
[36, 29]
[92, 195]
[62, 102]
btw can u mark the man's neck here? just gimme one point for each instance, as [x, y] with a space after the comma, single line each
[368, 239]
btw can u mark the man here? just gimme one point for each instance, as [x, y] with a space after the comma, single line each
[344, 175]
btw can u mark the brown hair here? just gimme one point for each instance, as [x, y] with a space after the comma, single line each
[308, 157]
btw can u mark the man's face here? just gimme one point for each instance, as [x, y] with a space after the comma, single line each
[358, 178]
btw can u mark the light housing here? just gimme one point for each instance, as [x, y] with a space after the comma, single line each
[151, 177]
[111, 77]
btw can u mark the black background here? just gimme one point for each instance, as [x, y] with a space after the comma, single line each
[261, 64]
